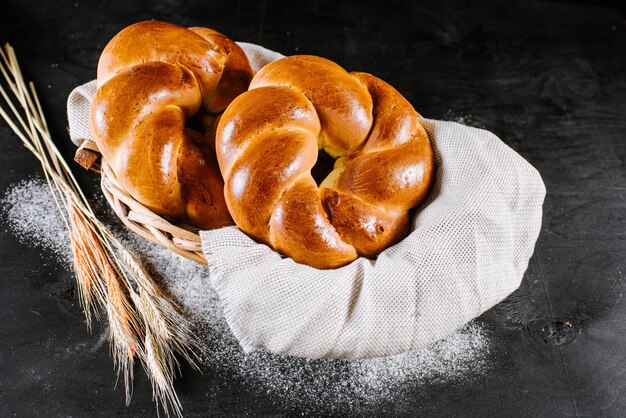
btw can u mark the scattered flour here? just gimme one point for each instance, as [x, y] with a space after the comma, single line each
[468, 120]
[339, 386]
[33, 217]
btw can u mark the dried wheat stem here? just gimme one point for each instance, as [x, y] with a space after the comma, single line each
[144, 323]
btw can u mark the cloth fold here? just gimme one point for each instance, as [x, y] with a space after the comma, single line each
[469, 247]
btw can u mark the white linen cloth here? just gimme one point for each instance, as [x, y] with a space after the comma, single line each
[469, 247]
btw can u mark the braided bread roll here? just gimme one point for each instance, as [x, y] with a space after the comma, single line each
[152, 77]
[267, 141]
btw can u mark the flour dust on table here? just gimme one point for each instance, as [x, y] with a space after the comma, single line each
[331, 385]
[464, 119]
[33, 217]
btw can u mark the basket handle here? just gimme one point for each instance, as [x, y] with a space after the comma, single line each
[88, 156]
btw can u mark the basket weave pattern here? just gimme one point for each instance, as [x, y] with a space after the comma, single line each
[181, 238]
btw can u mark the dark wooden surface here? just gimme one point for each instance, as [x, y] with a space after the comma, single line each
[549, 79]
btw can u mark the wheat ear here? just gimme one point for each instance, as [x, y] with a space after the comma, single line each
[145, 325]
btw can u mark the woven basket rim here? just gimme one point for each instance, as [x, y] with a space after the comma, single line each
[181, 238]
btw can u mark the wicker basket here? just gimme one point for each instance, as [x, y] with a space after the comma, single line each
[181, 238]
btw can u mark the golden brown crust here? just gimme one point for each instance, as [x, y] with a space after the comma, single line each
[268, 109]
[365, 226]
[300, 228]
[236, 75]
[342, 103]
[151, 77]
[267, 143]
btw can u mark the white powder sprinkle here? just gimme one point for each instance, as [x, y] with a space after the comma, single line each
[468, 120]
[34, 219]
[326, 386]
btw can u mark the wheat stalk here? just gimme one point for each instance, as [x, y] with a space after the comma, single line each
[144, 323]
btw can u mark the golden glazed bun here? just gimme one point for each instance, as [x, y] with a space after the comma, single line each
[267, 141]
[152, 77]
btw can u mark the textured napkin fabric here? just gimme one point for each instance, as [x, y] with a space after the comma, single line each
[468, 249]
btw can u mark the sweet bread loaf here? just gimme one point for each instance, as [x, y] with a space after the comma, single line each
[153, 77]
[268, 139]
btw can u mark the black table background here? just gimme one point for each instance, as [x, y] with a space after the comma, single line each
[548, 78]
